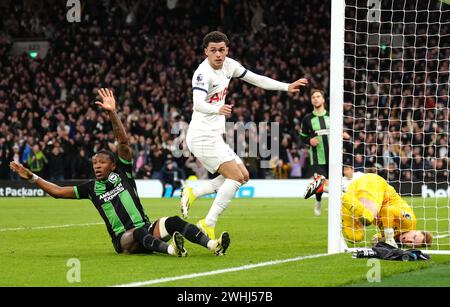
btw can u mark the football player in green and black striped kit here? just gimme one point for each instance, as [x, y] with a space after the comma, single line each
[314, 132]
[113, 193]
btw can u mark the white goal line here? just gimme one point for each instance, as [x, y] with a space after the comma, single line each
[222, 271]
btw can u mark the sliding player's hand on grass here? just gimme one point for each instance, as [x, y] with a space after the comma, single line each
[23, 172]
[108, 102]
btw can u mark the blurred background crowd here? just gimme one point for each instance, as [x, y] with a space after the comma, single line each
[147, 51]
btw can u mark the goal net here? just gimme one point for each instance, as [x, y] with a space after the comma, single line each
[390, 68]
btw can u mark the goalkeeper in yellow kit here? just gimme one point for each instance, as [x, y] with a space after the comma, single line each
[370, 199]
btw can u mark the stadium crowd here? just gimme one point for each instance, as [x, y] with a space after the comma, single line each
[397, 102]
[147, 51]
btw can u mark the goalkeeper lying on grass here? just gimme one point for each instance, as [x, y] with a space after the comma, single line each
[113, 193]
[371, 200]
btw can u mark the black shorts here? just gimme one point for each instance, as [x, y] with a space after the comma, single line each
[320, 170]
[116, 239]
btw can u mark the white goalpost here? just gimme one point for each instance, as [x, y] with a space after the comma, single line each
[389, 90]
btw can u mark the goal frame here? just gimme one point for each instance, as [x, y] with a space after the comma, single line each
[336, 242]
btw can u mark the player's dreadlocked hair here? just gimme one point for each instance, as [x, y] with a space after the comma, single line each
[215, 37]
[109, 153]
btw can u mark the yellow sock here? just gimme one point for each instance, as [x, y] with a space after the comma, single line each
[352, 204]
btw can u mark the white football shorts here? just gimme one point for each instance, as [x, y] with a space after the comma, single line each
[211, 150]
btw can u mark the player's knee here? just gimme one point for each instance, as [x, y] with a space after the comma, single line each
[129, 242]
[237, 177]
[246, 176]
[174, 223]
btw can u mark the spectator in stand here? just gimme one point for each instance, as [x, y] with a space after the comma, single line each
[141, 161]
[145, 172]
[80, 163]
[56, 163]
[172, 177]
[4, 155]
[280, 169]
[37, 160]
[50, 99]
[197, 168]
[296, 161]
[14, 156]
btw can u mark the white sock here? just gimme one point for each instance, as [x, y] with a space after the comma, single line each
[224, 195]
[208, 187]
[171, 250]
[212, 244]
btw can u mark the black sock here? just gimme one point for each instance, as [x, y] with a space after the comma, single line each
[319, 196]
[142, 236]
[191, 232]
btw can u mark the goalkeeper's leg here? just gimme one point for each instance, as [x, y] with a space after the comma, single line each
[357, 209]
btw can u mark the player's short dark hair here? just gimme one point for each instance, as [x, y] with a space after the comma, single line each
[108, 153]
[317, 90]
[215, 37]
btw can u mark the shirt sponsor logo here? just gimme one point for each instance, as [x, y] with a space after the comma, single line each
[322, 132]
[200, 77]
[111, 194]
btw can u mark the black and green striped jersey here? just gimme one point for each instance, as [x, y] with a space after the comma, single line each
[116, 199]
[316, 126]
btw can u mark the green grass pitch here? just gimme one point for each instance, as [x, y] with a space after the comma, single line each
[262, 230]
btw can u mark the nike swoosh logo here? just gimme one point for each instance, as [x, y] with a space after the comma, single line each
[215, 85]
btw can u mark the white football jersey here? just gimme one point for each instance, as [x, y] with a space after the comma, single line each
[346, 181]
[215, 84]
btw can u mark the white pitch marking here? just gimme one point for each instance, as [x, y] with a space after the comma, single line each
[49, 227]
[222, 271]
[442, 236]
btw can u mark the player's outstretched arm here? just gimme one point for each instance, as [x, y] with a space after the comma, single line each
[54, 190]
[108, 103]
[295, 86]
[271, 84]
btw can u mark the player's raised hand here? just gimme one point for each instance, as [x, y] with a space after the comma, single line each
[23, 172]
[108, 102]
[295, 86]
[225, 110]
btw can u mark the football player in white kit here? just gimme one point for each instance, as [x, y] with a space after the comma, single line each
[205, 134]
